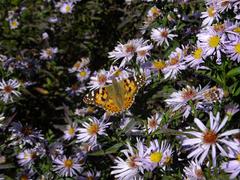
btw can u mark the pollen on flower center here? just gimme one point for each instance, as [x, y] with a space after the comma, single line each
[93, 129]
[129, 48]
[213, 41]
[188, 93]
[174, 61]
[68, 8]
[237, 30]
[132, 163]
[159, 64]
[198, 53]
[8, 89]
[14, 23]
[210, 137]
[49, 52]
[237, 48]
[83, 73]
[142, 53]
[71, 131]
[156, 157]
[68, 163]
[27, 131]
[198, 172]
[153, 123]
[164, 34]
[211, 11]
[23, 177]
[238, 157]
[102, 79]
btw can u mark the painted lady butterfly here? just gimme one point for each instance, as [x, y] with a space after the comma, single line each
[117, 97]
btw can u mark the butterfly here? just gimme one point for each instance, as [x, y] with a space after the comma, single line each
[117, 97]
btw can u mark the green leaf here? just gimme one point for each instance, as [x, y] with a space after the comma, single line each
[6, 166]
[233, 72]
[110, 150]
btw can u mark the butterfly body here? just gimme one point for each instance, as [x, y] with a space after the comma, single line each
[117, 97]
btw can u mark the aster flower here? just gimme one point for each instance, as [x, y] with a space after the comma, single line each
[67, 166]
[174, 65]
[49, 53]
[231, 109]
[66, 7]
[232, 48]
[21, 135]
[13, 23]
[91, 175]
[70, 131]
[118, 73]
[153, 12]
[143, 52]
[130, 168]
[55, 149]
[83, 74]
[99, 79]
[75, 89]
[209, 138]
[84, 111]
[194, 171]
[161, 35]
[155, 155]
[27, 157]
[79, 65]
[224, 5]
[211, 42]
[25, 174]
[196, 59]
[232, 166]
[211, 95]
[154, 122]
[91, 130]
[210, 15]
[8, 89]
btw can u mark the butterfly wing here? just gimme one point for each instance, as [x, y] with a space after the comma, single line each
[131, 86]
[102, 98]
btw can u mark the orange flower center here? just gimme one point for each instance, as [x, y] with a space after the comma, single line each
[210, 137]
[102, 79]
[93, 129]
[68, 163]
[164, 33]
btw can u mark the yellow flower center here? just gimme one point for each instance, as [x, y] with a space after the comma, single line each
[159, 64]
[219, 27]
[14, 23]
[238, 157]
[82, 73]
[210, 137]
[236, 30]
[197, 54]
[237, 48]
[156, 157]
[174, 61]
[49, 52]
[71, 131]
[68, 163]
[213, 41]
[93, 129]
[68, 8]
[77, 65]
[102, 79]
[155, 11]
[117, 73]
[211, 11]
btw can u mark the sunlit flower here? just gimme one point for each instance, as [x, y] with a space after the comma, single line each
[118, 73]
[155, 155]
[90, 175]
[209, 16]
[154, 122]
[209, 138]
[13, 23]
[67, 166]
[175, 64]
[233, 48]
[85, 110]
[27, 157]
[143, 52]
[48, 53]
[66, 7]
[194, 171]
[92, 130]
[232, 166]
[8, 89]
[132, 166]
[70, 131]
[83, 74]
[161, 35]
[99, 79]
[75, 89]
[153, 12]
[211, 43]
[79, 65]
[196, 59]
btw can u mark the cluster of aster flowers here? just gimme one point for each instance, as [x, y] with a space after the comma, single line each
[197, 119]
